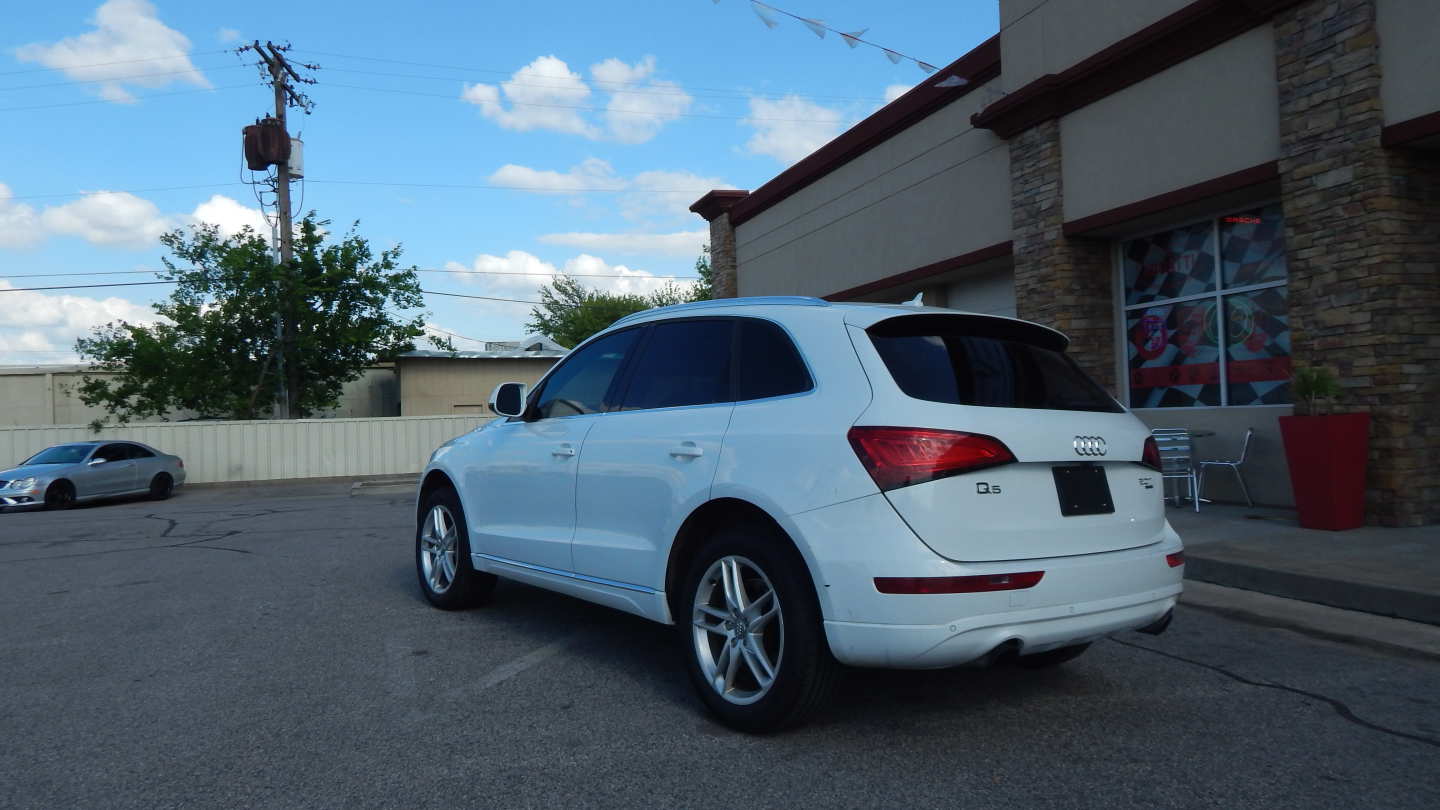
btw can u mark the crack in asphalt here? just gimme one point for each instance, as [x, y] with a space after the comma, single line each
[170, 528]
[192, 543]
[1339, 706]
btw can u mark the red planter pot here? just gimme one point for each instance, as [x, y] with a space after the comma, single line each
[1327, 456]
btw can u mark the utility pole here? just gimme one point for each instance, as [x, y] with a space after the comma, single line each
[280, 75]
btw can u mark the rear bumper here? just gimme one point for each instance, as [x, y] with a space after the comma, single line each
[968, 638]
[1080, 597]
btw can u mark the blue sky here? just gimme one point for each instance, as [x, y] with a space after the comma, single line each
[108, 108]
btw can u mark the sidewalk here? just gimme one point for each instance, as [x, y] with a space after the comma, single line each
[1390, 572]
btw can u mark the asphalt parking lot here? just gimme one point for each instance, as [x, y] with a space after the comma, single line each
[268, 646]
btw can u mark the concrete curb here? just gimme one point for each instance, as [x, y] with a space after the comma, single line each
[1345, 594]
[1394, 636]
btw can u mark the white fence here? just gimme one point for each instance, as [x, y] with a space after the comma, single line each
[268, 450]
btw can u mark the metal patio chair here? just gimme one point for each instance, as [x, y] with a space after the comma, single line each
[1233, 465]
[1177, 462]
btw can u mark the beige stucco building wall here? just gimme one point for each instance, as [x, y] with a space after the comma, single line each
[43, 395]
[934, 182]
[1048, 36]
[1208, 116]
[1409, 58]
[446, 386]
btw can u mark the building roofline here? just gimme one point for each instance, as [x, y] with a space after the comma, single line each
[979, 66]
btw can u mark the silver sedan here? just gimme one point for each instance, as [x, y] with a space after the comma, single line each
[59, 476]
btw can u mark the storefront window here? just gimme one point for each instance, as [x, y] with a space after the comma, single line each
[1177, 310]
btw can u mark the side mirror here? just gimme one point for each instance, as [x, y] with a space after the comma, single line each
[508, 399]
[92, 462]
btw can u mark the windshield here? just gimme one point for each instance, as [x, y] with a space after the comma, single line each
[61, 454]
[970, 361]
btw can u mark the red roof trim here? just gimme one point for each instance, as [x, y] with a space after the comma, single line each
[1170, 199]
[1414, 129]
[979, 66]
[920, 273]
[1192, 30]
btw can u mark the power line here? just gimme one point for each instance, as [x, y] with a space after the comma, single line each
[128, 78]
[456, 186]
[646, 277]
[124, 191]
[85, 286]
[141, 98]
[484, 298]
[120, 62]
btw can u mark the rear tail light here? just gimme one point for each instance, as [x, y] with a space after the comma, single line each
[1175, 560]
[898, 457]
[180, 462]
[1150, 457]
[980, 584]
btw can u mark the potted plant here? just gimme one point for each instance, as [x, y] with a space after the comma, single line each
[1326, 453]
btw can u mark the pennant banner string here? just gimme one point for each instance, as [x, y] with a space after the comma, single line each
[854, 39]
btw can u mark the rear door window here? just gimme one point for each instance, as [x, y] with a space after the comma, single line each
[769, 364]
[987, 362]
[682, 363]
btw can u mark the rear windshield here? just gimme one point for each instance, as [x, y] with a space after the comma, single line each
[987, 362]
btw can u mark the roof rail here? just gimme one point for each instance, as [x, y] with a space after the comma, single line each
[758, 300]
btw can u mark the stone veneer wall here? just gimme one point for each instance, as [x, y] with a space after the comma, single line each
[1363, 232]
[722, 257]
[1060, 282]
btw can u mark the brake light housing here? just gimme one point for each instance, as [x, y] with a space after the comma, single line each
[1150, 456]
[902, 456]
[980, 584]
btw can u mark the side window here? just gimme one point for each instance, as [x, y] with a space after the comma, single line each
[683, 363]
[579, 385]
[136, 451]
[770, 365]
[113, 452]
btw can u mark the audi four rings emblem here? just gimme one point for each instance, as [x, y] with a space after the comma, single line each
[1090, 445]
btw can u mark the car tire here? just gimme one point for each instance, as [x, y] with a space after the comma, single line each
[1052, 658]
[730, 654]
[60, 495]
[442, 555]
[161, 486]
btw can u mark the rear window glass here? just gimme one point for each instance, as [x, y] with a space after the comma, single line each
[996, 364]
[683, 363]
[769, 364]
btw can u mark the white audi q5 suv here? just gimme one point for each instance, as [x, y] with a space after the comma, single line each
[798, 484]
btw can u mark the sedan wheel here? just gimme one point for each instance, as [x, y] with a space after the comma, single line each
[60, 495]
[442, 555]
[739, 631]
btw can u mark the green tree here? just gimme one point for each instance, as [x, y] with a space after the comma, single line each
[215, 352]
[570, 312]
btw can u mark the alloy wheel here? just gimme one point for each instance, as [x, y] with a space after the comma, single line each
[738, 630]
[438, 549]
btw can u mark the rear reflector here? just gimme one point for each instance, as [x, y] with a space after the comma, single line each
[1175, 560]
[900, 456]
[980, 584]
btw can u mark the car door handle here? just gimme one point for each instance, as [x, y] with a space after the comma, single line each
[563, 451]
[687, 450]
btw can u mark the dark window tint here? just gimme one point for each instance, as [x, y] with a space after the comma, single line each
[113, 452]
[683, 363]
[136, 451]
[579, 385]
[769, 365]
[62, 454]
[998, 364]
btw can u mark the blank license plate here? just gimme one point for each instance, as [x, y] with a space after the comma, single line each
[1083, 490]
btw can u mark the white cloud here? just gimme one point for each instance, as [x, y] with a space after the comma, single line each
[682, 244]
[541, 94]
[19, 224]
[227, 35]
[230, 216]
[111, 218]
[649, 195]
[519, 275]
[128, 42]
[39, 328]
[592, 174]
[895, 91]
[636, 112]
[546, 94]
[790, 128]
